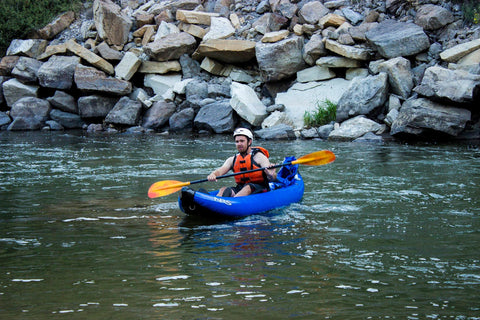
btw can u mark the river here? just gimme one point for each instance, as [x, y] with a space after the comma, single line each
[386, 231]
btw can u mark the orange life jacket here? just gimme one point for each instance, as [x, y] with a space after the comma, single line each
[244, 163]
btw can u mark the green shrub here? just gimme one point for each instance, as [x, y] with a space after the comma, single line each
[325, 113]
[19, 18]
[470, 9]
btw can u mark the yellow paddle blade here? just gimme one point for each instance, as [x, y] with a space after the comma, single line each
[166, 187]
[316, 158]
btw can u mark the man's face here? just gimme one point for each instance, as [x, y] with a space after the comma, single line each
[241, 142]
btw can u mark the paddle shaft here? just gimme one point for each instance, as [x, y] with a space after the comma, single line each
[163, 188]
[243, 172]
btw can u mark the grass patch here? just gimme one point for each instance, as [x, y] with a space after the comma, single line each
[325, 113]
[19, 18]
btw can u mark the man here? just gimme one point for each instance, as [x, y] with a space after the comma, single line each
[247, 158]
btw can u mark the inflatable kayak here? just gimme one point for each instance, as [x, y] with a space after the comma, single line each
[286, 190]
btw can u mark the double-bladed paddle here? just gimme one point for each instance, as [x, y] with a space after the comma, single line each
[166, 187]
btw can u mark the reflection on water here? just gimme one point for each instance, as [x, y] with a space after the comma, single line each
[386, 231]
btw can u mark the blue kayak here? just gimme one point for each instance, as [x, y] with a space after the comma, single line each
[208, 204]
[286, 190]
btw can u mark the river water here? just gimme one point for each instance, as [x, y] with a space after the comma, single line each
[386, 231]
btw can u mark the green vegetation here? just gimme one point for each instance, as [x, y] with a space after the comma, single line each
[19, 18]
[324, 114]
[471, 10]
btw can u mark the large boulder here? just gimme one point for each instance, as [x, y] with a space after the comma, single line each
[302, 97]
[64, 102]
[432, 17]
[354, 128]
[58, 72]
[29, 113]
[182, 120]
[95, 106]
[158, 115]
[229, 51]
[450, 85]
[311, 12]
[171, 47]
[459, 51]
[394, 39]
[281, 59]
[220, 28]
[56, 26]
[26, 69]
[66, 119]
[127, 67]
[314, 49]
[422, 116]
[161, 83]
[91, 80]
[269, 22]
[111, 23]
[278, 132]
[126, 112]
[247, 104]
[14, 90]
[400, 76]
[31, 47]
[363, 96]
[216, 117]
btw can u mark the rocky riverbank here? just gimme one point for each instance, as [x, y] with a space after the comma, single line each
[395, 68]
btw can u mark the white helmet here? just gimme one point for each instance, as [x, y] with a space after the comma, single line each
[244, 132]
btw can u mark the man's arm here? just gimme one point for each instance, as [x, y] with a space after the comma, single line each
[227, 165]
[263, 161]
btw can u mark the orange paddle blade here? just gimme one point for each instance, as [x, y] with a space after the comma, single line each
[166, 187]
[316, 158]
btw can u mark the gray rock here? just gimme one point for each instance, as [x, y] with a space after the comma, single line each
[394, 39]
[182, 120]
[171, 47]
[219, 90]
[281, 59]
[432, 17]
[63, 101]
[400, 76]
[125, 112]
[31, 47]
[112, 24]
[422, 116]
[311, 12]
[14, 90]
[354, 128]
[216, 117]
[4, 119]
[92, 80]
[369, 137]
[53, 125]
[325, 130]
[26, 69]
[363, 96]
[95, 106]
[314, 49]
[352, 16]
[58, 72]
[278, 132]
[29, 113]
[66, 119]
[450, 85]
[158, 115]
